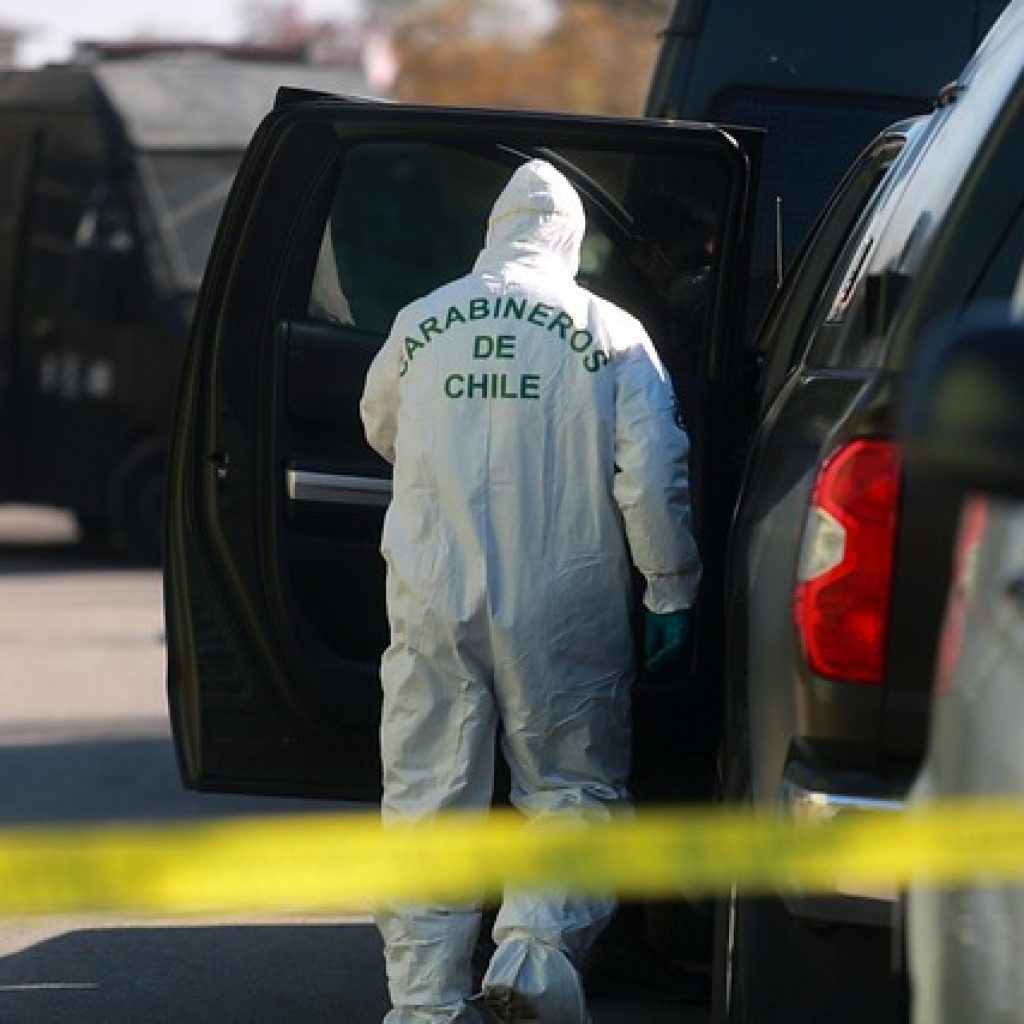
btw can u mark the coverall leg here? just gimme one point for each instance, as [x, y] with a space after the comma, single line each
[438, 752]
[564, 707]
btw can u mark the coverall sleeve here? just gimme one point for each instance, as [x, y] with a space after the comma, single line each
[379, 404]
[651, 483]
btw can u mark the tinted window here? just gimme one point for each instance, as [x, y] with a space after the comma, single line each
[187, 192]
[409, 217]
[827, 131]
[61, 191]
[406, 218]
[835, 331]
[796, 310]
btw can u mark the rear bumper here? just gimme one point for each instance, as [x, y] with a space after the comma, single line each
[821, 794]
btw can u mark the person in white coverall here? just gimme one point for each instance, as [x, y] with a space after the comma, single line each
[536, 447]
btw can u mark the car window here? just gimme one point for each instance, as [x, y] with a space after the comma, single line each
[408, 217]
[789, 323]
[187, 192]
[828, 130]
[833, 341]
[62, 188]
[405, 219]
[835, 332]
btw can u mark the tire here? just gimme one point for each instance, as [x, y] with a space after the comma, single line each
[771, 967]
[779, 968]
[137, 502]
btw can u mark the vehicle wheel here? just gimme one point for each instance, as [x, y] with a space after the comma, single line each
[770, 967]
[777, 968]
[137, 502]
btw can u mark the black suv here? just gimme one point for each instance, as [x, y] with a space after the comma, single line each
[826, 570]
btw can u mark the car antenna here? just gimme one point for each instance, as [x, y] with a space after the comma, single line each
[778, 242]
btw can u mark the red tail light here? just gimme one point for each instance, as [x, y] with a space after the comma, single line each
[846, 562]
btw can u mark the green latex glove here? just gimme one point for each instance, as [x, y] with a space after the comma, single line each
[665, 637]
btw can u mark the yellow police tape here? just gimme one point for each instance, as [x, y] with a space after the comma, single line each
[345, 862]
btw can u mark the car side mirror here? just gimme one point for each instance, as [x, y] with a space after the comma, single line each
[963, 412]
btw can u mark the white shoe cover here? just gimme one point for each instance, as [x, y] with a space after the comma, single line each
[532, 981]
[465, 1014]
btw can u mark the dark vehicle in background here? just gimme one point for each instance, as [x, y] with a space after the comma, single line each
[823, 80]
[113, 178]
[964, 432]
[839, 562]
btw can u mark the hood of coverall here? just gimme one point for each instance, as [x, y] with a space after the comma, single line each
[538, 220]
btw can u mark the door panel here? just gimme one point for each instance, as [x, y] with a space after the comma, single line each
[340, 215]
[336, 491]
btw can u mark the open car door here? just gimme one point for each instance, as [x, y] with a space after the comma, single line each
[340, 214]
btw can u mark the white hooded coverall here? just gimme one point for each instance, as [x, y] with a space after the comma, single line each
[534, 435]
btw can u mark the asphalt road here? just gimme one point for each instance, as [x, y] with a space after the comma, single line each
[84, 737]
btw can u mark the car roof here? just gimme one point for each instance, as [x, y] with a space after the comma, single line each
[178, 102]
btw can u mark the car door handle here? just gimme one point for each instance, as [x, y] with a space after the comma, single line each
[336, 488]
